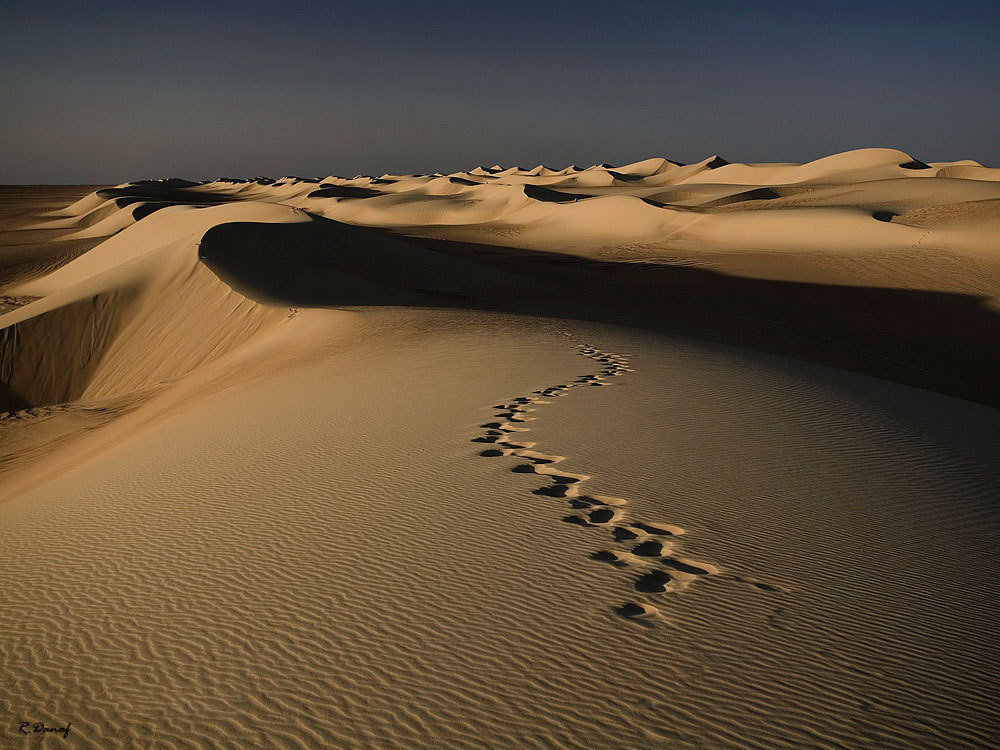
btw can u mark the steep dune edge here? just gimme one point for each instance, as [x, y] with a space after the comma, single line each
[189, 271]
[138, 310]
[157, 300]
[325, 263]
[143, 330]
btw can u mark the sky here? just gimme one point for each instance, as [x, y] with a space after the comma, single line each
[113, 91]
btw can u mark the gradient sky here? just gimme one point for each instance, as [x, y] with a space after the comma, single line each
[113, 91]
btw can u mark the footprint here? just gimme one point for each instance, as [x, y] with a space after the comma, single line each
[524, 469]
[654, 542]
[655, 582]
[559, 477]
[556, 490]
[603, 516]
[615, 557]
[604, 500]
[642, 613]
[597, 517]
[689, 567]
[623, 533]
[538, 458]
[508, 443]
[659, 529]
[650, 548]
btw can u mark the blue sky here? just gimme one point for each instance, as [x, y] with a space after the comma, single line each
[122, 91]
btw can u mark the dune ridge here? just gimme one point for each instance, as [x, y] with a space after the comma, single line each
[872, 203]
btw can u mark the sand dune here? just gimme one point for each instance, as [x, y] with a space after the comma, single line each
[657, 204]
[549, 457]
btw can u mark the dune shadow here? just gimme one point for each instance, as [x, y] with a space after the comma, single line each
[171, 191]
[942, 341]
[870, 330]
[343, 191]
[549, 195]
[938, 340]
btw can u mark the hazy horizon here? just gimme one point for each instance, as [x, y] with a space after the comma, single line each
[123, 92]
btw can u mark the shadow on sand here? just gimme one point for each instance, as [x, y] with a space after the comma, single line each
[940, 341]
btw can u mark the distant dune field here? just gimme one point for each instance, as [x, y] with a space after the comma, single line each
[655, 455]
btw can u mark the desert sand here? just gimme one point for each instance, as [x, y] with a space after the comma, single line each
[641, 456]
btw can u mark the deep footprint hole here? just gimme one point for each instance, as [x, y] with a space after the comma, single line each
[648, 549]
[601, 515]
[653, 583]
[683, 567]
[631, 610]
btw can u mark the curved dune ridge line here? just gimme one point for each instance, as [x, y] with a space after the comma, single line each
[586, 210]
[147, 305]
[137, 310]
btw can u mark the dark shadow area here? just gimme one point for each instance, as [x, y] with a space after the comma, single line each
[915, 164]
[625, 177]
[344, 191]
[10, 399]
[757, 194]
[653, 583]
[608, 557]
[621, 534]
[683, 567]
[463, 181]
[601, 516]
[633, 612]
[656, 530]
[555, 490]
[649, 548]
[941, 341]
[323, 263]
[171, 191]
[551, 196]
[143, 210]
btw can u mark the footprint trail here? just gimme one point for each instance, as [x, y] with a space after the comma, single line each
[647, 549]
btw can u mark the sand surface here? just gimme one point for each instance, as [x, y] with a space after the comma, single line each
[416, 463]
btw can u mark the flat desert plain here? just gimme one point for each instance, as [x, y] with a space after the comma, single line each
[648, 456]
